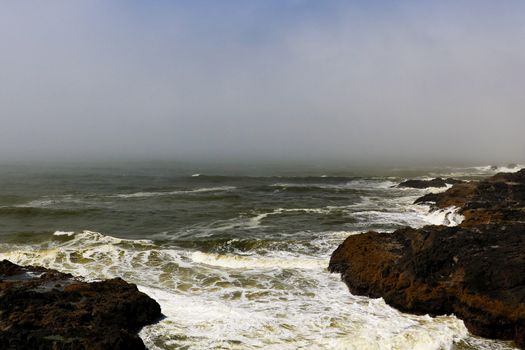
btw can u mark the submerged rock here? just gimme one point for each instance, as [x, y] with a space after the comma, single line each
[47, 309]
[475, 270]
[437, 182]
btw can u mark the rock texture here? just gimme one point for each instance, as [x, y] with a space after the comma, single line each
[475, 271]
[45, 309]
[437, 182]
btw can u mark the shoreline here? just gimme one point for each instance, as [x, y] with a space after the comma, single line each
[475, 270]
[46, 309]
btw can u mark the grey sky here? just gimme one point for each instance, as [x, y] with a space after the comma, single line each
[268, 79]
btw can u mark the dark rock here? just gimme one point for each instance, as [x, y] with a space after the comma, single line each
[47, 309]
[437, 182]
[500, 198]
[478, 274]
[475, 271]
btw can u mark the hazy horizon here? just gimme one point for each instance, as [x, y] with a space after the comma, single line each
[263, 81]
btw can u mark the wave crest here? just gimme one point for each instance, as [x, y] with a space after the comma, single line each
[170, 193]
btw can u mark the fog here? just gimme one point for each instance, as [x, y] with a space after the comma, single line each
[272, 79]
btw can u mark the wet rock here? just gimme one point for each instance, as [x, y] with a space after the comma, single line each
[47, 309]
[500, 198]
[478, 274]
[475, 270]
[437, 182]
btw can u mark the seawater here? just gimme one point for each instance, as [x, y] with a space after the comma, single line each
[237, 260]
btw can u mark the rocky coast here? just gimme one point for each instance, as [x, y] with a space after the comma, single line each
[46, 309]
[475, 270]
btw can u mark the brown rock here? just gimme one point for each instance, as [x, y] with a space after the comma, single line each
[500, 198]
[478, 274]
[46, 309]
[475, 271]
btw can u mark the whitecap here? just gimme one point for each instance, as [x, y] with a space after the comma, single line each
[63, 233]
[257, 261]
[448, 216]
[168, 193]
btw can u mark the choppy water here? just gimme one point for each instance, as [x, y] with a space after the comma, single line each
[237, 261]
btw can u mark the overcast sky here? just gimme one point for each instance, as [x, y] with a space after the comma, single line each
[263, 78]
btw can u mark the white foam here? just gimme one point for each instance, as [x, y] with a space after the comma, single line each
[258, 262]
[354, 184]
[282, 300]
[319, 314]
[255, 221]
[39, 203]
[169, 193]
[63, 233]
[505, 169]
[500, 169]
[448, 217]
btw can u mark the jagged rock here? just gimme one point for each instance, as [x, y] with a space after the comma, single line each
[478, 274]
[475, 271]
[500, 198]
[437, 182]
[47, 309]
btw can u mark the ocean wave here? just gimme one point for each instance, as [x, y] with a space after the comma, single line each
[411, 215]
[500, 169]
[170, 193]
[280, 301]
[64, 233]
[87, 238]
[247, 221]
[25, 211]
[89, 254]
[480, 171]
[255, 262]
[47, 202]
[448, 217]
[292, 319]
[347, 186]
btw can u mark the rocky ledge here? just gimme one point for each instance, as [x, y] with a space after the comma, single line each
[46, 309]
[475, 270]
[437, 182]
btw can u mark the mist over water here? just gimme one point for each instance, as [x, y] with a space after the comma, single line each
[267, 80]
[216, 153]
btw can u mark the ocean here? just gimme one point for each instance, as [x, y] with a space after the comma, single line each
[237, 258]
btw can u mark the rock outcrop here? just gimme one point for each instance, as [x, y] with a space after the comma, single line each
[475, 271]
[46, 309]
[498, 199]
[437, 182]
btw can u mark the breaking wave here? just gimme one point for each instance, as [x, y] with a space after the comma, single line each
[170, 193]
[278, 300]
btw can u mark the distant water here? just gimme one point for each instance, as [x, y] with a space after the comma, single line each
[236, 260]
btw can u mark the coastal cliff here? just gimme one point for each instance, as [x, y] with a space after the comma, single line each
[46, 309]
[475, 270]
